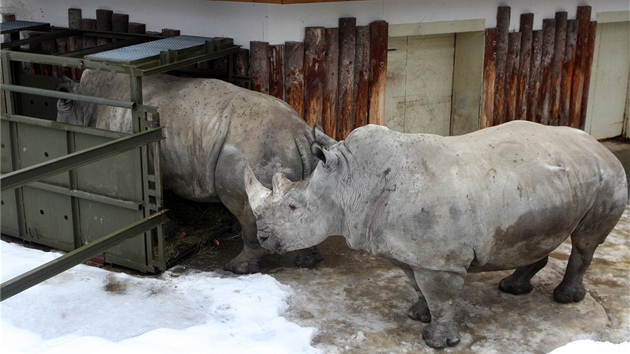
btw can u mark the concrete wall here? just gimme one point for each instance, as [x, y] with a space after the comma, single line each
[279, 23]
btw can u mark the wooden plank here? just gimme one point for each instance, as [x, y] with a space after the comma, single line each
[330, 109]
[503, 24]
[587, 71]
[347, 53]
[362, 76]
[543, 107]
[276, 70]
[241, 63]
[120, 23]
[169, 32]
[535, 75]
[489, 75]
[135, 27]
[581, 51]
[314, 74]
[526, 25]
[90, 25]
[103, 23]
[294, 82]
[259, 65]
[568, 63]
[560, 44]
[378, 71]
[511, 70]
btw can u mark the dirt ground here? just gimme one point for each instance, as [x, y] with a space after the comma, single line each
[359, 302]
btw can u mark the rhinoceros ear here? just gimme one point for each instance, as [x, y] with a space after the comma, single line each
[328, 158]
[256, 192]
[280, 183]
[322, 139]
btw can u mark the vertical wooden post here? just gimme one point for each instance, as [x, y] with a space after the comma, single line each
[362, 75]
[581, 52]
[587, 71]
[512, 67]
[276, 71]
[503, 24]
[526, 24]
[314, 74]
[259, 66]
[568, 64]
[330, 109]
[543, 108]
[294, 82]
[135, 27]
[560, 43]
[120, 23]
[489, 78]
[378, 71]
[347, 49]
[90, 25]
[103, 23]
[535, 75]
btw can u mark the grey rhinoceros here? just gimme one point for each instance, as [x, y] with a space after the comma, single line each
[440, 207]
[212, 129]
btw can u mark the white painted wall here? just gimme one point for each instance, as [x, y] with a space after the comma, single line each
[279, 23]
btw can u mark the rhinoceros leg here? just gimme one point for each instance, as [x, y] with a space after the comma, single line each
[247, 261]
[419, 311]
[592, 231]
[440, 289]
[519, 282]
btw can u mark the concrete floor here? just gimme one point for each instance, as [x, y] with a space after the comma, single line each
[359, 302]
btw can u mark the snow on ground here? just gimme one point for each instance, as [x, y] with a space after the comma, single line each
[88, 309]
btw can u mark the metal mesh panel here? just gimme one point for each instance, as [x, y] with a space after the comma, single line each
[19, 25]
[149, 49]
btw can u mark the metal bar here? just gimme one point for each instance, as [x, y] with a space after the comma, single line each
[50, 168]
[46, 271]
[62, 126]
[122, 203]
[40, 38]
[184, 62]
[62, 61]
[67, 96]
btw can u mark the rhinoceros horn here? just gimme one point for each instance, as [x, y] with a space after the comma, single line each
[256, 192]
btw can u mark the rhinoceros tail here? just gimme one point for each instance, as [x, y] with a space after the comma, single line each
[305, 156]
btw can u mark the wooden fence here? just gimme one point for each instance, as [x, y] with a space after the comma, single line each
[335, 79]
[540, 75]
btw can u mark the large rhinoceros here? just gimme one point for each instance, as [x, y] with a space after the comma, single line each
[212, 129]
[440, 207]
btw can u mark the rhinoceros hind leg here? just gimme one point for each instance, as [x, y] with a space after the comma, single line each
[571, 288]
[308, 258]
[519, 282]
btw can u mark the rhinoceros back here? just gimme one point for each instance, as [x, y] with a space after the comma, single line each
[195, 114]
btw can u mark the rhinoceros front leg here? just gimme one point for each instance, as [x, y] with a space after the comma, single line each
[519, 282]
[440, 289]
[247, 261]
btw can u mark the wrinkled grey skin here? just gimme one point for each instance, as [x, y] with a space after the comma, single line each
[440, 207]
[212, 129]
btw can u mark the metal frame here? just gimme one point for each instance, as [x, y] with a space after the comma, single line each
[111, 143]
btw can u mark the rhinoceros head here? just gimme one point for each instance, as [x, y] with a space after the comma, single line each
[294, 215]
[66, 110]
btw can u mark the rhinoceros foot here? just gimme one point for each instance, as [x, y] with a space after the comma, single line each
[308, 258]
[420, 312]
[565, 294]
[247, 261]
[516, 286]
[440, 336]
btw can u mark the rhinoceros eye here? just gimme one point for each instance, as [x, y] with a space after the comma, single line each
[292, 206]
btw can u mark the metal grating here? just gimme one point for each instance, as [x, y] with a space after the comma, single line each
[149, 49]
[12, 26]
